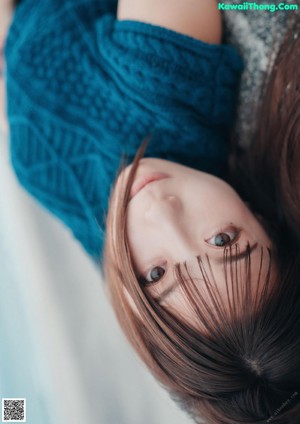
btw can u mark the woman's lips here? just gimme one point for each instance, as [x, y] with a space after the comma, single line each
[144, 180]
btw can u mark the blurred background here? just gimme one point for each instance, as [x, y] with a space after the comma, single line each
[61, 347]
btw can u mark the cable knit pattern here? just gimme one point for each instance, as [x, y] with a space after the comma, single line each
[84, 88]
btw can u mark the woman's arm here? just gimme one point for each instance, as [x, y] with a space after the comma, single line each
[199, 19]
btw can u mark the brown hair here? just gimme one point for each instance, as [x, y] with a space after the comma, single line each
[245, 368]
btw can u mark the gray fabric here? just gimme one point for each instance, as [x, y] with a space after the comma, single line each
[257, 36]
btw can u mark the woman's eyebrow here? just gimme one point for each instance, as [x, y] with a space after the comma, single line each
[239, 256]
[166, 292]
[234, 258]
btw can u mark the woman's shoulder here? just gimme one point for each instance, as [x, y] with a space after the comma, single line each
[33, 20]
[52, 52]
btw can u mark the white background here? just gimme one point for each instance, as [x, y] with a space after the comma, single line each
[61, 347]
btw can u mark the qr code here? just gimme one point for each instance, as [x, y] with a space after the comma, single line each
[14, 410]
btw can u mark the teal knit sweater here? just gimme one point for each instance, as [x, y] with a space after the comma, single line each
[84, 88]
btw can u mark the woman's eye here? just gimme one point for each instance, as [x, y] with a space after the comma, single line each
[155, 274]
[223, 239]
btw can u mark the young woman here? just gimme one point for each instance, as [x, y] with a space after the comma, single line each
[83, 89]
[206, 285]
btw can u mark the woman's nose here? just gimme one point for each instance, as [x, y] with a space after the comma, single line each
[167, 209]
[167, 220]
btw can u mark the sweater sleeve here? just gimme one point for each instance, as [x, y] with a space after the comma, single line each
[84, 89]
[49, 53]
